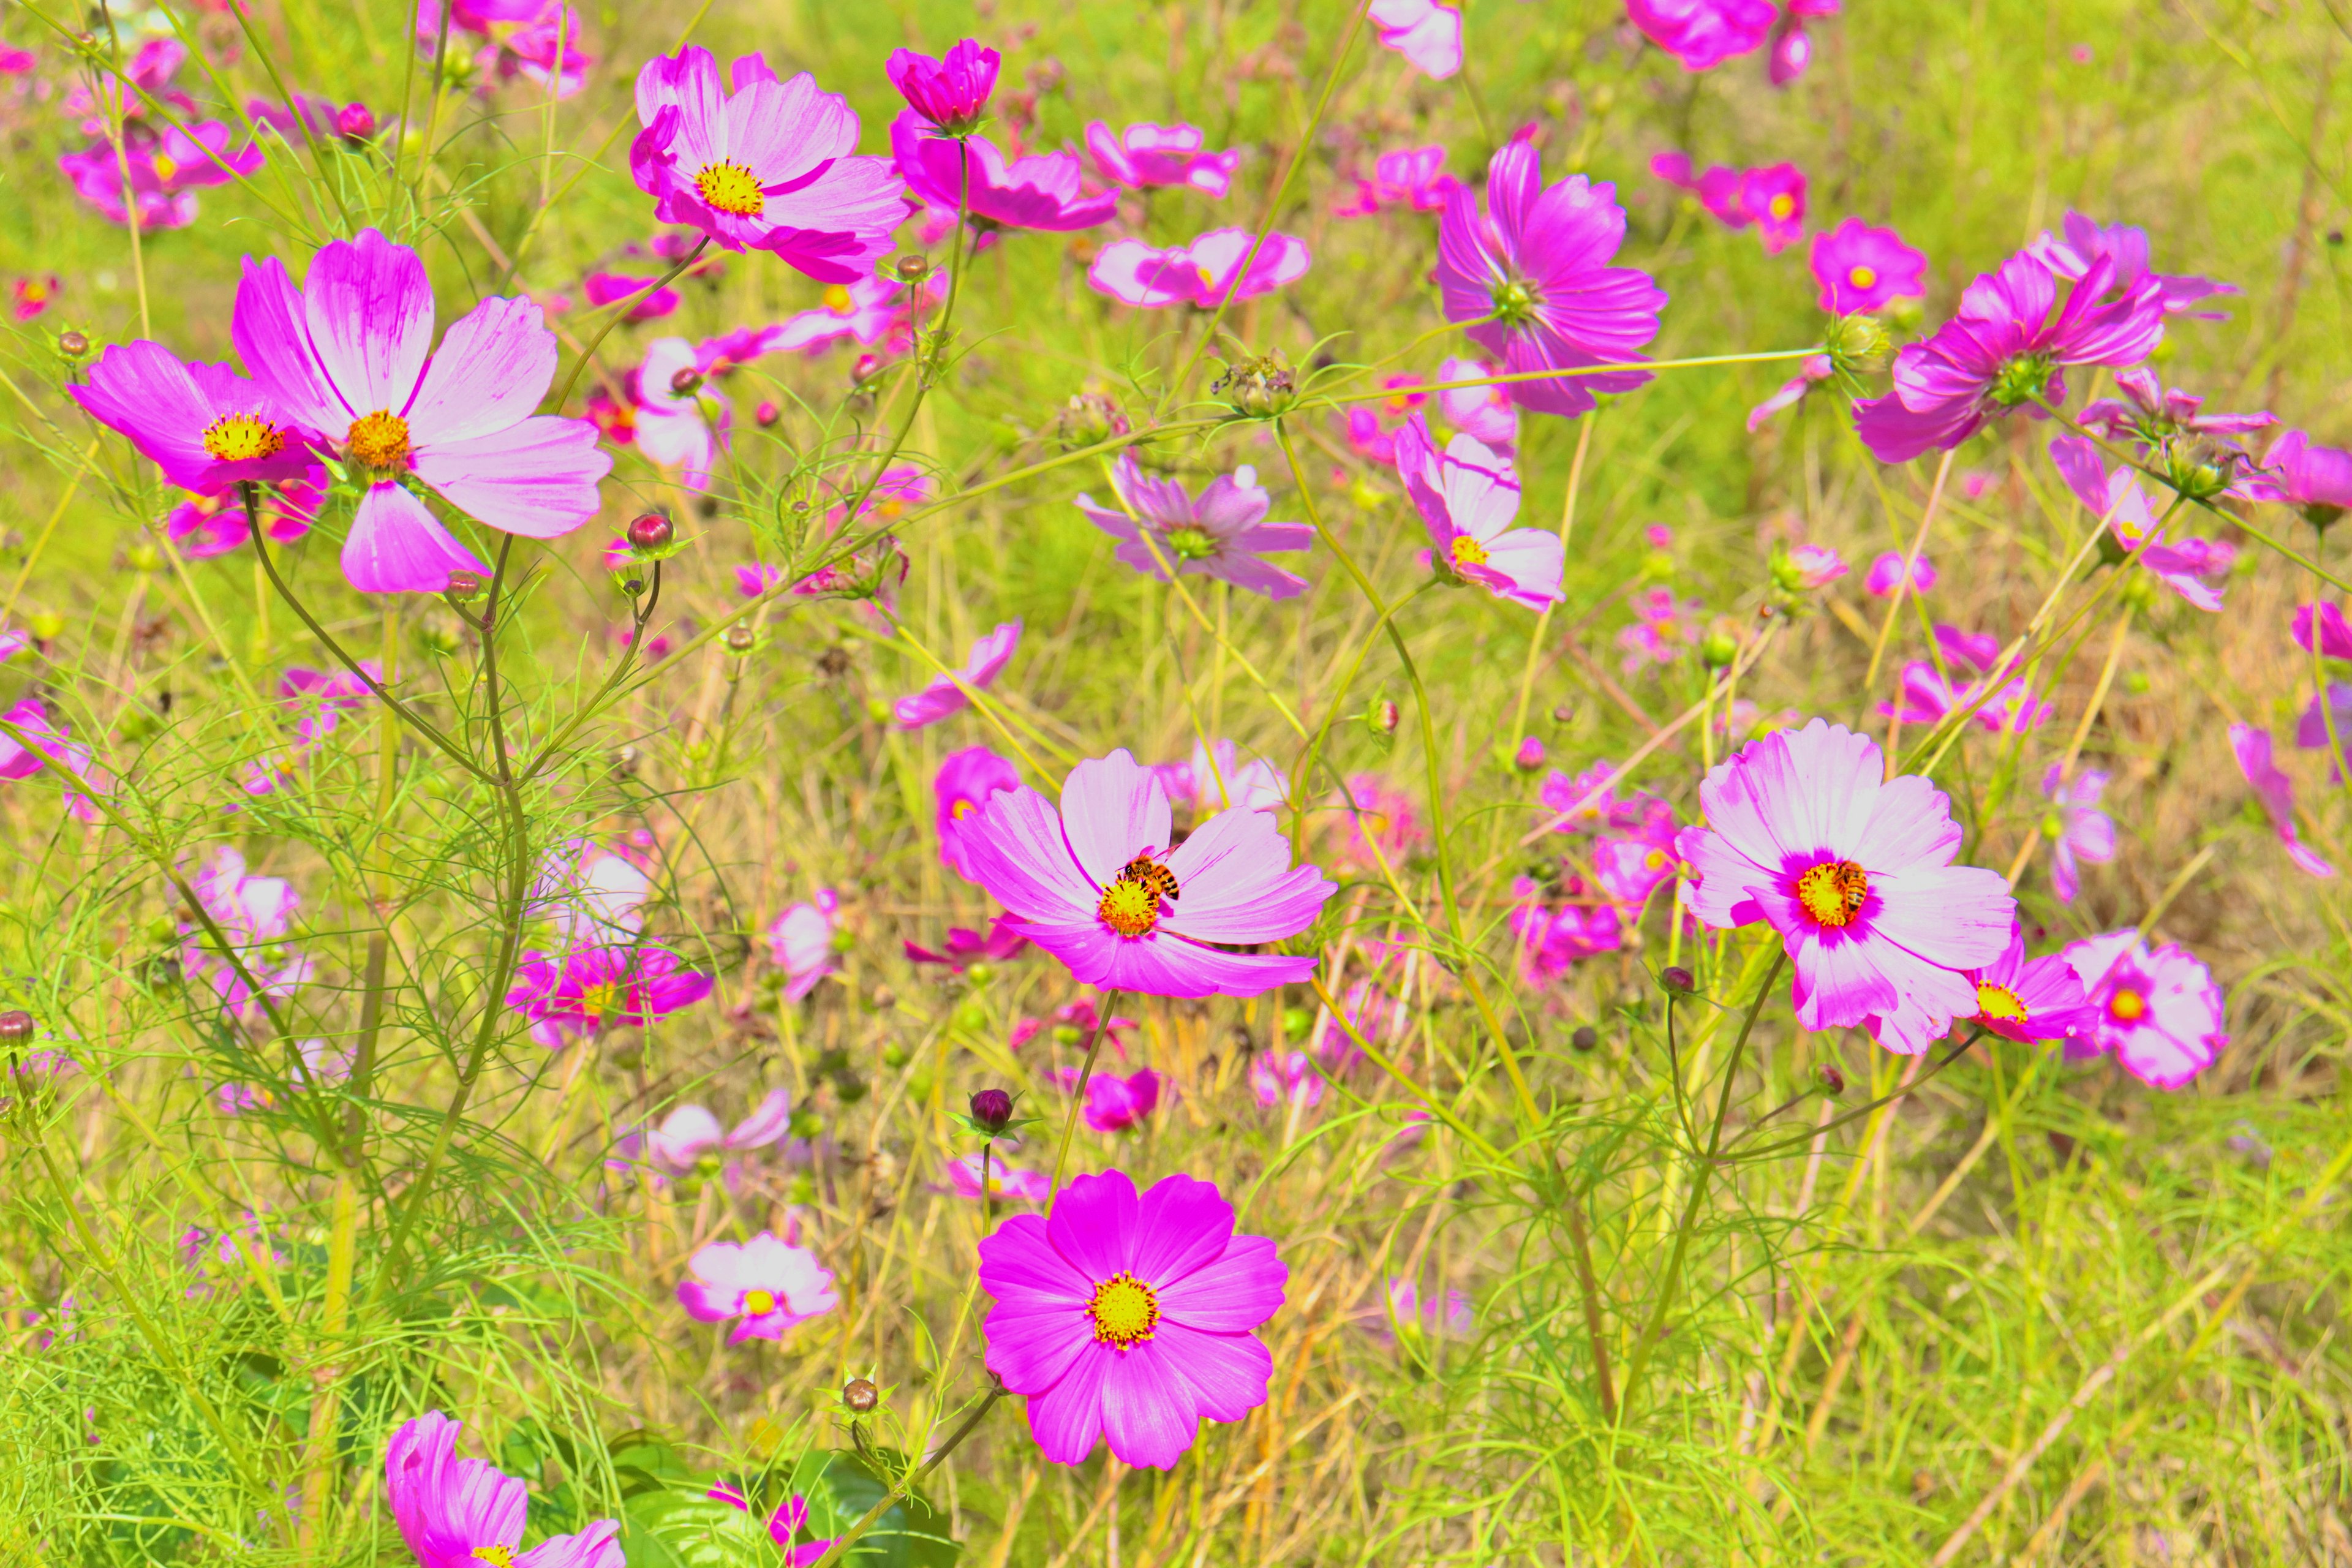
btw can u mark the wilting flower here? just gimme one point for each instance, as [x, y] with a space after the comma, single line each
[2009, 345]
[1222, 534]
[1129, 1318]
[1484, 412]
[1469, 498]
[1888, 575]
[207, 428]
[2277, 791]
[1864, 269]
[1114, 1103]
[2158, 1011]
[770, 167]
[767, 1286]
[2078, 830]
[971, 177]
[2124, 504]
[1144, 155]
[1003, 1181]
[2125, 248]
[599, 987]
[946, 696]
[1703, 33]
[1100, 886]
[352, 357]
[1534, 263]
[2298, 473]
[1413, 177]
[1424, 32]
[799, 943]
[963, 784]
[1854, 875]
[951, 93]
[1207, 273]
[1287, 1078]
[462, 1513]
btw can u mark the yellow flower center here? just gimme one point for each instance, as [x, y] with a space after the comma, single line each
[34, 293]
[758, 1303]
[1832, 891]
[601, 1002]
[1208, 278]
[962, 809]
[1999, 1001]
[495, 1556]
[1129, 908]
[1655, 860]
[241, 438]
[1468, 552]
[838, 300]
[1862, 277]
[1125, 1310]
[1783, 205]
[379, 441]
[2128, 1006]
[166, 166]
[732, 188]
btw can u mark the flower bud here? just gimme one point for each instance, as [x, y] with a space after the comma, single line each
[1563, 714]
[1382, 716]
[991, 1110]
[1529, 756]
[16, 1028]
[1585, 1038]
[860, 1394]
[1833, 1081]
[1718, 648]
[1677, 981]
[72, 344]
[1858, 345]
[651, 531]
[740, 639]
[355, 122]
[766, 415]
[463, 588]
[911, 268]
[686, 382]
[2202, 467]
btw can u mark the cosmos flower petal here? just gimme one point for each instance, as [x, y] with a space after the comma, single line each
[368, 308]
[490, 373]
[1237, 884]
[1067, 1419]
[1148, 1411]
[1112, 810]
[1239, 1291]
[1013, 848]
[396, 546]
[1093, 1223]
[1227, 1373]
[1185, 1225]
[538, 479]
[1958, 916]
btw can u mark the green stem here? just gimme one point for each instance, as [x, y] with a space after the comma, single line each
[617, 311]
[901, 1492]
[1078, 1094]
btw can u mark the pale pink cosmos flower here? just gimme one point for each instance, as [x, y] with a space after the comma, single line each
[1287, 1078]
[2158, 1011]
[1102, 886]
[1214, 778]
[1145, 155]
[1703, 33]
[2078, 830]
[766, 1287]
[2187, 566]
[1664, 629]
[675, 411]
[1222, 534]
[591, 895]
[944, 698]
[691, 1134]
[799, 943]
[1406, 1313]
[1424, 32]
[1114, 1103]
[1854, 875]
[1888, 575]
[1469, 498]
[255, 914]
[872, 311]
[1207, 272]
[1004, 1180]
[463, 1513]
[2277, 791]
[1808, 567]
[1044, 191]
[1411, 177]
[1485, 414]
[352, 356]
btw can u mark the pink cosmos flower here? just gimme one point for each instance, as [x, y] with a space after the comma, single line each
[1004, 1180]
[1535, 262]
[1424, 32]
[461, 1513]
[2150, 414]
[1130, 1317]
[1811, 374]
[2017, 1000]
[598, 988]
[675, 412]
[1073, 1024]
[2277, 791]
[589, 894]
[943, 698]
[1792, 46]
[34, 295]
[2298, 473]
[352, 358]
[1406, 1313]
[1212, 779]
[534, 40]
[207, 428]
[1774, 198]
[255, 914]
[2009, 345]
[1926, 696]
[165, 168]
[1413, 177]
[770, 167]
[1114, 1103]
[965, 947]
[33, 741]
[1809, 567]
[612, 288]
[2120, 501]
[872, 311]
[1378, 818]
[951, 93]
[1553, 939]
[319, 701]
[799, 943]
[964, 783]
[1144, 155]
[152, 68]
[1718, 189]
[1887, 576]
[1099, 887]
[1854, 875]
[691, 1135]
[2159, 1013]
[1224, 534]
[316, 1063]
[2311, 731]
[1864, 269]
[1663, 629]
[1469, 498]
[1585, 804]
[765, 1286]
[2085, 243]
[205, 526]
[1287, 1078]
[791, 1518]
[2335, 633]
[970, 176]
[1484, 412]
[307, 110]
[1978, 651]
[1703, 33]
[2077, 828]
[1206, 273]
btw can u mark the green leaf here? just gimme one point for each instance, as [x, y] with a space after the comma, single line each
[841, 1487]
[680, 1530]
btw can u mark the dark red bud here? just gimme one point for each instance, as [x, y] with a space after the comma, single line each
[991, 1110]
[651, 531]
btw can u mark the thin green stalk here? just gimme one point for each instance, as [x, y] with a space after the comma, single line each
[905, 1488]
[1078, 1092]
[617, 311]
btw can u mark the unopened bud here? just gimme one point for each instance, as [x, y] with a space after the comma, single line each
[912, 268]
[766, 415]
[1833, 1081]
[463, 587]
[740, 639]
[686, 382]
[1858, 344]
[1677, 981]
[16, 1028]
[1529, 756]
[860, 1394]
[355, 122]
[651, 531]
[991, 1110]
[1717, 649]
[1585, 1038]
[72, 344]
[1384, 717]
[1563, 714]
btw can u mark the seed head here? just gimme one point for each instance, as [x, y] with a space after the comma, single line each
[1585, 1038]
[912, 268]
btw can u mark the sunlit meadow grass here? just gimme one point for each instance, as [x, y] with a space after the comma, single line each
[2035, 1311]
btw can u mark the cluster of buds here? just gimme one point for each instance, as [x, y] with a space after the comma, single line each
[1258, 388]
[1088, 419]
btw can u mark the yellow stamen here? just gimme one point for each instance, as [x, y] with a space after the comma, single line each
[1862, 277]
[1833, 892]
[495, 1556]
[1125, 1310]
[1999, 1001]
[1130, 908]
[838, 300]
[165, 167]
[758, 1303]
[732, 188]
[379, 441]
[1468, 552]
[1781, 206]
[242, 437]
[2128, 1006]
[602, 1002]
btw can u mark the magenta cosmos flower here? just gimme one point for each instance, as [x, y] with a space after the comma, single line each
[2158, 1011]
[1774, 199]
[1413, 177]
[771, 166]
[951, 93]
[766, 1287]
[2133, 517]
[597, 987]
[1703, 33]
[1100, 886]
[2009, 345]
[1208, 272]
[1129, 1318]
[2316, 480]
[1224, 534]
[1792, 46]
[1887, 576]
[1864, 269]
[1424, 32]
[1536, 262]
[2084, 243]
[1469, 498]
[463, 1513]
[2016, 999]
[1855, 875]
[208, 429]
[351, 356]
[791, 1518]
[965, 782]
[1144, 155]
[943, 698]
[1114, 1103]
[970, 176]
[2277, 791]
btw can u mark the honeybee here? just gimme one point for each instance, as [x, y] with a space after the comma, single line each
[1150, 873]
